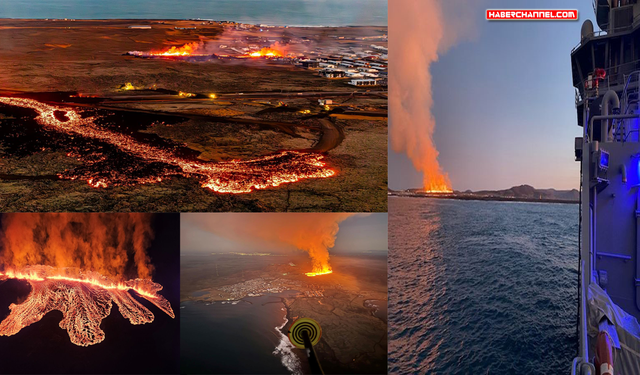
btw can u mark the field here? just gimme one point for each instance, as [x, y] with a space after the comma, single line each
[177, 113]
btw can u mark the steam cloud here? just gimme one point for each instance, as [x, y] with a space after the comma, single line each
[418, 33]
[313, 233]
[112, 244]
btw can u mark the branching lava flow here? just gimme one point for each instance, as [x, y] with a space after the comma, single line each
[84, 298]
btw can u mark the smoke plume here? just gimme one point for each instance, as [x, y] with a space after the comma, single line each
[314, 233]
[113, 245]
[418, 33]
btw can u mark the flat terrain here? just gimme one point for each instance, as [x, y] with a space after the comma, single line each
[260, 108]
[349, 304]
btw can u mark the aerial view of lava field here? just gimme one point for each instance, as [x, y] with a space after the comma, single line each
[193, 115]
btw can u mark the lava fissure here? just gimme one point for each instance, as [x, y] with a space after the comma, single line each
[223, 177]
[319, 273]
[84, 298]
[199, 49]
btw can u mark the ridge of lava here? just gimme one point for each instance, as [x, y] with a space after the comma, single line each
[84, 298]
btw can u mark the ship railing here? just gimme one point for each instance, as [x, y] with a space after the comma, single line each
[582, 360]
[631, 88]
[624, 78]
[599, 33]
[594, 34]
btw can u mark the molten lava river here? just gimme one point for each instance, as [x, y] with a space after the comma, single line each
[84, 298]
[223, 177]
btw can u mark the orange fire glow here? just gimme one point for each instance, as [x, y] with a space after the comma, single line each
[84, 301]
[266, 52]
[413, 124]
[437, 184]
[319, 273]
[102, 283]
[79, 264]
[313, 233]
[186, 50]
[234, 176]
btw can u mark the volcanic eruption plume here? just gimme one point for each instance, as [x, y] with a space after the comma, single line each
[79, 264]
[224, 177]
[416, 37]
[314, 233]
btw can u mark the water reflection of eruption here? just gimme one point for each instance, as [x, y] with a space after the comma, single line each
[420, 275]
[224, 177]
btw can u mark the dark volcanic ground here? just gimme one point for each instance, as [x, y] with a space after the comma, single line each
[86, 57]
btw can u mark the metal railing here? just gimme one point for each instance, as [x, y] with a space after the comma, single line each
[583, 352]
[631, 87]
[599, 33]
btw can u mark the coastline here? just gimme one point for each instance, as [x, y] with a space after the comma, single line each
[480, 198]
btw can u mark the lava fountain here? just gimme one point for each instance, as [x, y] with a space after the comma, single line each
[59, 255]
[437, 184]
[417, 36]
[233, 176]
[313, 233]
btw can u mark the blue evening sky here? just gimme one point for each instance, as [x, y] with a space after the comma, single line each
[504, 104]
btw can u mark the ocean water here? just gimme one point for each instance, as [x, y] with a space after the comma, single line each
[272, 12]
[240, 337]
[482, 287]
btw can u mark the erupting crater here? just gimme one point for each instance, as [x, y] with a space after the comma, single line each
[223, 177]
[266, 52]
[320, 267]
[313, 274]
[84, 298]
[437, 184]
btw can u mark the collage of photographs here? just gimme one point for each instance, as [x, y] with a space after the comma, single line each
[320, 187]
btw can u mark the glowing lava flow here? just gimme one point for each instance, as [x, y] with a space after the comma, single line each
[313, 274]
[84, 298]
[224, 177]
[266, 52]
[320, 268]
[186, 50]
[441, 190]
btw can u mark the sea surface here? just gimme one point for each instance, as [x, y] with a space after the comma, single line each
[239, 337]
[271, 12]
[482, 287]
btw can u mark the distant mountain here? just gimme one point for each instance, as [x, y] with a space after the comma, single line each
[529, 192]
[516, 193]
